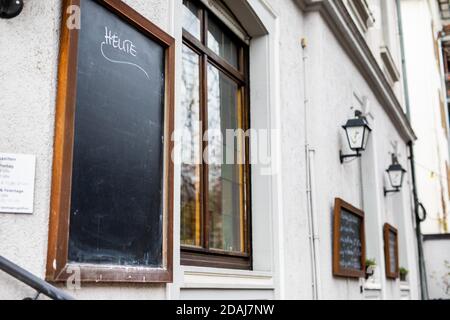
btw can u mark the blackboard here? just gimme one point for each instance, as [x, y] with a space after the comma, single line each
[391, 251]
[116, 208]
[112, 178]
[349, 242]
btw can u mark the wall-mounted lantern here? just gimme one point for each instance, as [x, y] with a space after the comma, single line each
[358, 132]
[396, 174]
[10, 8]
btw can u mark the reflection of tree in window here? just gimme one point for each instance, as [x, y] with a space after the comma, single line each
[214, 217]
[191, 18]
[221, 43]
[190, 175]
[224, 179]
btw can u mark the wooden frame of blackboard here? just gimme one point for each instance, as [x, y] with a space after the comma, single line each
[58, 268]
[387, 231]
[338, 271]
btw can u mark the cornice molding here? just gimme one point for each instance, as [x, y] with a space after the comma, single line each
[346, 31]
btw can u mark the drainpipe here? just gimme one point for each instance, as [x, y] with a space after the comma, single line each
[417, 204]
[314, 238]
[417, 207]
[315, 224]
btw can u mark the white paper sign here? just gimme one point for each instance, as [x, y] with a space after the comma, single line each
[17, 173]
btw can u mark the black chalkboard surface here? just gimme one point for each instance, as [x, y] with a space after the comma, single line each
[350, 249]
[116, 215]
[391, 251]
[349, 242]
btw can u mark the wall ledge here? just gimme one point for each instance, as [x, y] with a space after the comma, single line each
[209, 278]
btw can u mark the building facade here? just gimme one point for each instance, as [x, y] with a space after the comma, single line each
[428, 108]
[426, 46]
[293, 72]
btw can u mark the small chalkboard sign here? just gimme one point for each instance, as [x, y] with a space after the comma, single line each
[391, 251]
[348, 241]
[112, 188]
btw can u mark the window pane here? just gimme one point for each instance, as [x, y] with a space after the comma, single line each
[191, 18]
[190, 168]
[225, 158]
[221, 43]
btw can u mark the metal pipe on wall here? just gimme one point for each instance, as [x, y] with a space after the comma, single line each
[315, 224]
[422, 270]
[314, 237]
[417, 206]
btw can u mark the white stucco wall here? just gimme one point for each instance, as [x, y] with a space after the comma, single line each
[297, 279]
[29, 48]
[334, 84]
[336, 89]
[437, 257]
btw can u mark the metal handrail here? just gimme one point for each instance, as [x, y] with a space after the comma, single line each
[41, 286]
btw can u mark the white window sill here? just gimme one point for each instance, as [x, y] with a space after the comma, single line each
[372, 286]
[404, 286]
[210, 278]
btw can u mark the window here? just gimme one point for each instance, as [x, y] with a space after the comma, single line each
[391, 70]
[362, 13]
[215, 197]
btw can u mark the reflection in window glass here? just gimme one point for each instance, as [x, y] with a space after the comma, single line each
[191, 18]
[226, 203]
[221, 43]
[190, 168]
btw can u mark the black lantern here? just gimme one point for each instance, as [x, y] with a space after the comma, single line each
[10, 8]
[357, 131]
[396, 173]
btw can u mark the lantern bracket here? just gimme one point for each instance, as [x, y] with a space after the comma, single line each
[386, 191]
[342, 156]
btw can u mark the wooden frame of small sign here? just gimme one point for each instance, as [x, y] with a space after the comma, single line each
[389, 230]
[58, 268]
[338, 269]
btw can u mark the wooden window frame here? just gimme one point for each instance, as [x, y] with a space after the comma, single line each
[338, 271]
[58, 268]
[362, 13]
[389, 63]
[390, 274]
[202, 256]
